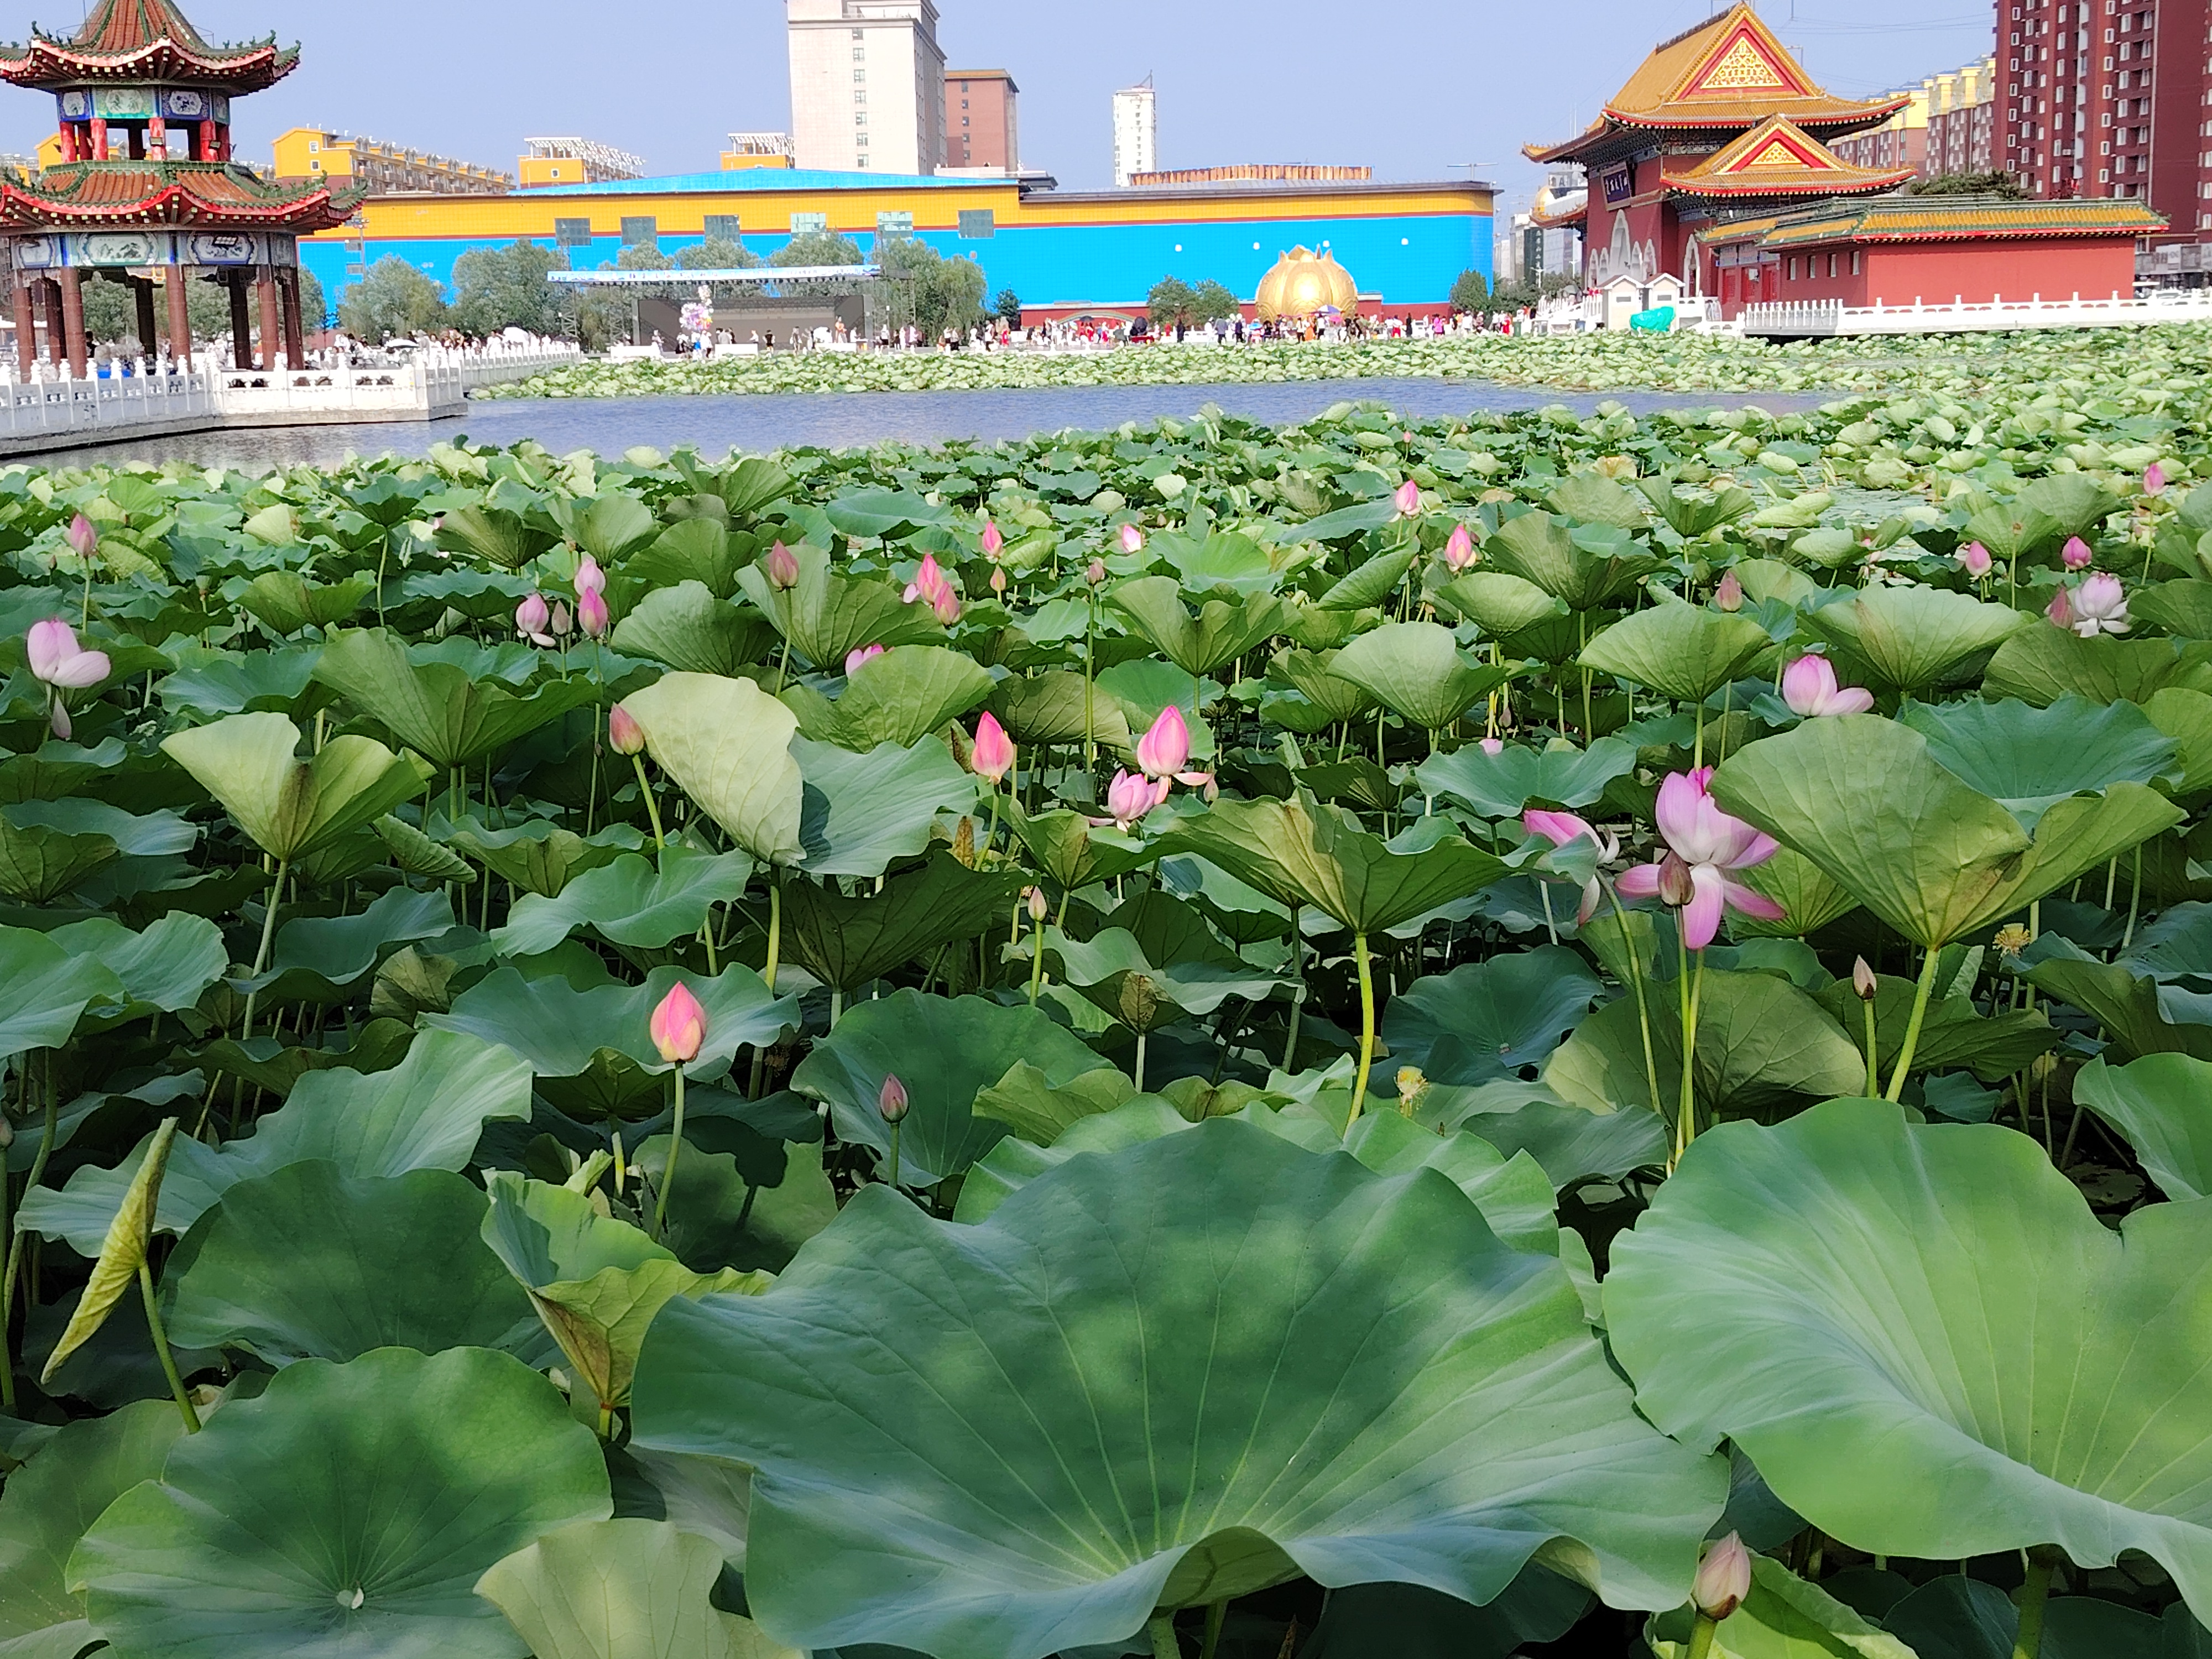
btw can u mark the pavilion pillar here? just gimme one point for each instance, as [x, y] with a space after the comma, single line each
[265, 285]
[207, 142]
[73, 318]
[99, 140]
[157, 140]
[46, 308]
[242, 325]
[295, 333]
[180, 317]
[142, 288]
[26, 328]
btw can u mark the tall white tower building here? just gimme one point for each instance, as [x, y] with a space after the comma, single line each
[1136, 132]
[867, 85]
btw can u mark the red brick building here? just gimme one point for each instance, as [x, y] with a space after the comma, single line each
[982, 128]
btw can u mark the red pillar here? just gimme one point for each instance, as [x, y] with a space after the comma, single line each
[295, 333]
[207, 141]
[49, 297]
[241, 324]
[99, 141]
[73, 319]
[264, 283]
[180, 324]
[26, 328]
[157, 139]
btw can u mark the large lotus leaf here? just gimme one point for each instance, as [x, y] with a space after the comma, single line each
[540, 857]
[1954, 1616]
[1028, 1102]
[1593, 498]
[282, 600]
[727, 744]
[719, 1218]
[884, 513]
[1498, 786]
[1864, 800]
[436, 709]
[1221, 632]
[864, 812]
[945, 1052]
[1112, 969]
[325, 958]
[1762, 1045]
[1499, 604]
[1571, 1144]
[847, 941]
[496, 533]
[908, 692]
[1782, 1617]
[2040, 664]
[260, 682]
[2029, 759]
[1927, 1342]
[39, 863]
[2183, 608]
[1165, 1377]
[50, 1501]
[826, 617]
[590, 1051]
[623, 1589]
[2185, 716]
[426, 1113]
[1074, 851]
[1488, 1019]
[1910, 638]
[308, 1263]
[1299, 852]
[1051, 708]
[1692, 512]
[2161, 1104]
[690, 550]
[1405, 1621]
[1954, 1030]
[289, 806]
[594, 1281]
[348, 1510]
[631, 902]
[689, 629]
[163, 969]
[2128, 1007]
[1542, 550]
[1680, 651]
[606, 526]
[1417, 671]
[1223, 559]
[45, 989]
[1810, 898]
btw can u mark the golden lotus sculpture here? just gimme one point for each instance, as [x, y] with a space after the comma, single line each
[1303, 283]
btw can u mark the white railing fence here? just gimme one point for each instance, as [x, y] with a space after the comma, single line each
[1809, 318]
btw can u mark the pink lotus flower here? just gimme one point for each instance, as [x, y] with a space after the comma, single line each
[624, 735]
[562, 624]
[56, 660]
[1408, 498]
[2154, 479]
[1810, 690]
[992, 755]
[1974, 559]
[2075, 554]
[1727, 592]
[590, 578]
[891, 1101]
[1564, 829]
[862, 654]
[2100, 605]
[1724, 1579]
[1492, 745]
[679, 1026]
[1133, 540]
[1163, 750]
[782, 567]
[591, 614]
[83, 536]
[1707, 845]
[929, 581]
[2061, 608]
[533, 620]
[946, 606]
[1128, 797]
[994, 541]
[1095, 572]
[1458, 551]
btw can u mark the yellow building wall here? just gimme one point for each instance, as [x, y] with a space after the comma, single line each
[308, 153]
[50, 150]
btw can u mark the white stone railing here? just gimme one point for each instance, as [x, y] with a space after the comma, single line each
[1817, 317]
[57, 403]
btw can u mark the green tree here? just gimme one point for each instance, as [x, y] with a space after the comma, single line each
[111, 313]
[1471, 292]
[924, 287]
[819, 247]
[1007, 307]
[1172, 303]
[719, 253]
[507, 288]
[1998, 183]
[394, 298]
[1213, 302]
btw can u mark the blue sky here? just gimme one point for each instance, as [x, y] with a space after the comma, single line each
[1410, 87]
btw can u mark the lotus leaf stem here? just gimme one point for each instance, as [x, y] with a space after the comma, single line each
[1140, 1078]
[1920, 996]
[1215, 1614]
[162, 1348]
[2135, 901]
[1161, 1628]
[268, 933]
[2034, 1596]
[1366, 1023]
[1297, 993]
[668, 1175]
[1643, 1009]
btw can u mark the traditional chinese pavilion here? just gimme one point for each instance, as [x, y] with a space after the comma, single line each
[1720, 123]
[147, 188]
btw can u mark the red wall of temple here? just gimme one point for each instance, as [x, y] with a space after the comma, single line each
[1939, 273]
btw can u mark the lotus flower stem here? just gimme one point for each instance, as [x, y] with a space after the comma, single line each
[1921, 993]
[162, 1348]
[652, 806]
[1701, 1637]
[1873, 1065]
[1693, 990]
[1036, 961]
[895, 1127]
[268, 933]
[1643, 1010]
[1544, 892]
[1297, 992]
[668, 1175]
[2135, 901]
[2034, 1595]
[1366, 1023]
[1161, 1628]
[1140, 1078]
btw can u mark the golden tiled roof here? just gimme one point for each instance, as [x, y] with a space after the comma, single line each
[1777, 157]
[1941, 218]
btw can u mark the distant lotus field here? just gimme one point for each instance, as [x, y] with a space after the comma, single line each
[1551, 1033]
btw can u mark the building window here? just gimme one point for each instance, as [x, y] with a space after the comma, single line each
[1855, 262]
[861, 161]
[977, 224]
[573, 232]
[722, 227]
[640, 232]
[803, 224]
[893, 225]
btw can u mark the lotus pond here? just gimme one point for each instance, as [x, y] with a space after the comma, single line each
[1550, 1033]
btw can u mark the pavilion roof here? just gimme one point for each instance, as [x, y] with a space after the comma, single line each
[1727, 73]
[1777, 158]
[1944, 218]
[144, 41]
[200, 195]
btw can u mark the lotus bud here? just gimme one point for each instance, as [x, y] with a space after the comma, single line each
[679, 1026]
[783, 567]
[1408, 498]
[855, 659]
[1975, 560]
[994, 541]
[624, 735]
[83, 536]
[532, 616]
[998, 579]
[992, 757]
[1727, 594]
[1459, 551]
[1037, 906]
[1492, 745]
[2154, 479]
[590, 578]
[592, 615]
[946, 604]
[891, 1101]
[1165, 749]
[563, 624]
[1095, 572]
[1723, 1578]
[2061, 609]
[2076, 554]
[1863, 981]
[1675, 887]
[1133, 540]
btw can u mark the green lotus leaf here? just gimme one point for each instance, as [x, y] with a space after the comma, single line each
[2029, 759]
[1954, 1030]
[826, 617]
[884, 513]
[56, 770]
[1028, 1102]
[1544, 552]
[630, 903]
[720, 1218]
[1499, 604]
[280, 682]
[497, 534]
[1864, 800]
[282, 601]
[1314, 675]
[1782, 1617]
[1114, 971]
[908, 692]
[1488, 1019]
[324, 959]
[1932, 1347]
[865, 812]
[1051, 708]
[1569, 1144]
[540, 857]
[595, 1282]
[440, 711]
[414, 853]
[2185, 716]
[1498, 786]
[1223, 559]
[37, 865]
[1683, 652]
[44, 989]
[2040, 664]
[1218, 635]
[2183, 609]
[1593, 498]
[1405, 1621]
[1910, 638]
[289, 806]
[690, 550]
[308, 1263]
[1221, 1307]
[1075, 853]
[623, 1589]
[124, 1251]
[1809, 897]
[1694, 513]
[1417, 671]
[1354, 520]
[2162, 1105]
[847, 941]
[1298, 852]
[726, 744]
[1763, 1044]
[1295, 713]
[1955, 1616]
[50, 1501]
[2128, 1007]
[945, 1052]
[163, 969]
[687, 628]
[349, 1508]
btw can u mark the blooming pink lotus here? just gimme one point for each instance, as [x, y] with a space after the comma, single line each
[58, 663]
[1704, 847]
[1809, 687]
[83, 536]
[992, 755]
[591, 614]
[2075, 554]
[533, 620]
[1459, 551]
[2099, 605]
[590, 578]
[862, 654]
[994, 540]
[782, 567]
[1165, 750]
[1974, 559]
[679, 1026]
[1408, 498]
[624, 735]
[1128, 797]
[1133, 540]
[1564, 829]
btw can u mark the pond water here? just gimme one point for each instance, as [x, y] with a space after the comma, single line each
[759, 423]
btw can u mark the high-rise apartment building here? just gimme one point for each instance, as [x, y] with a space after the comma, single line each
[1136, 133]
[867, 85]
[1947, 127]
[981, 129]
